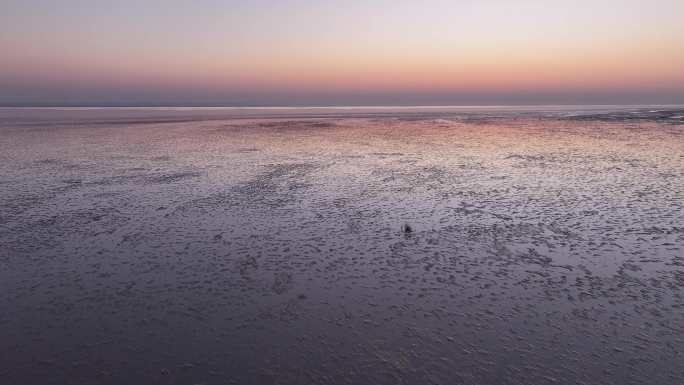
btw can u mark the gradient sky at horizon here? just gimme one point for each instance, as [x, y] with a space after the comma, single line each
[76, 52]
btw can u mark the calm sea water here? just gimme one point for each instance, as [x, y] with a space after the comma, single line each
[269, 246]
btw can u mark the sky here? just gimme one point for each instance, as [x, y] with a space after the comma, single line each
[372, 52]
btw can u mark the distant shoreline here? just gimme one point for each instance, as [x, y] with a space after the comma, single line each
[347, 107]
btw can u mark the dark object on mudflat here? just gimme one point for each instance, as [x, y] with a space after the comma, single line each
[406, 228]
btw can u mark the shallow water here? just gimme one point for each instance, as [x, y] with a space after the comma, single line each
[247, 246]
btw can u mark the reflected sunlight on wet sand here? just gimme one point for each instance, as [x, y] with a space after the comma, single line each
[209, 247]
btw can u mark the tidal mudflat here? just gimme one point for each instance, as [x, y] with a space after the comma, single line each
[220, 246]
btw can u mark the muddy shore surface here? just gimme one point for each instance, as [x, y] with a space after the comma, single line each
[544, 248]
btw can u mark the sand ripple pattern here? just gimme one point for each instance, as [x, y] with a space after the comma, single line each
[543, 250]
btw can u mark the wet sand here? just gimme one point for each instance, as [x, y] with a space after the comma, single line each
[149, 247]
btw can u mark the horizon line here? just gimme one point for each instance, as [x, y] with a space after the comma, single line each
[427, 106]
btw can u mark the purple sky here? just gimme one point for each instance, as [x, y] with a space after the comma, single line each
[341, 53]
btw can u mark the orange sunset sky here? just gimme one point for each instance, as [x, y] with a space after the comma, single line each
[337, 52]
